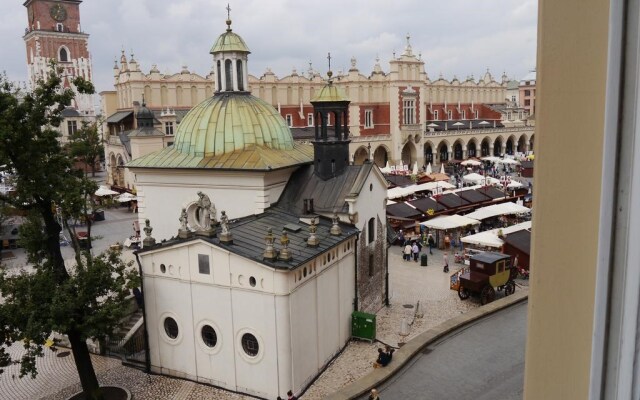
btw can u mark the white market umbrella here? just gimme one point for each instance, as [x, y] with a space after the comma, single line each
[104, 191]
[415, 168]
[124, 197]
[509, 161]
[514, 185]
[442, 168]
[458, 124]
[484, 123]
[429, 171]
[471, 162]
[491, 158]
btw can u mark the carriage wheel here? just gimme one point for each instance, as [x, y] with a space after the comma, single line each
[509, 288]
[487, 295]
[463, 293]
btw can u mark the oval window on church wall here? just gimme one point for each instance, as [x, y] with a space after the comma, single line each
[209, 336]
[250, 345]
[171, 327]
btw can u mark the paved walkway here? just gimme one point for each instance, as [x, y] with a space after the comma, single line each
[484, 360]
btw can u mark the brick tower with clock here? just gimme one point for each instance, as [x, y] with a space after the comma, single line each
[54, 33]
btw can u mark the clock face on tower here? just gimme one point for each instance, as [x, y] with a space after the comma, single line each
[58, 12]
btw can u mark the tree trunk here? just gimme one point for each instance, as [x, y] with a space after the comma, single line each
[81, 355]
[87, 374]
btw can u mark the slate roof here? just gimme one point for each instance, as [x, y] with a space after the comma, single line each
[118, 116]
[142, 132]
[521, 240]
[249, 232]
[450, 200]
[399, 180]
[489, 257]
[328, 196]
[70, 112]
[425, 204]
[402, 210]
[492, 192]
[473, 196]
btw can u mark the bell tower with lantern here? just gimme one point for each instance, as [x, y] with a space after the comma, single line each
[54, 32]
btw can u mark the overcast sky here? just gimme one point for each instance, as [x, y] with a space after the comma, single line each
[455, 37]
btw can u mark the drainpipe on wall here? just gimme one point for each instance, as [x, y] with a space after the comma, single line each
[147, 360]
[355, 299]
[386, 279]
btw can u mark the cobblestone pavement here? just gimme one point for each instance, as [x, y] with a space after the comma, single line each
[410, 284]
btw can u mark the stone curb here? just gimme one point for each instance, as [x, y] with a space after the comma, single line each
[404, 354]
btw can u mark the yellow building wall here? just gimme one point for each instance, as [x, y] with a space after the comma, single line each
[572, 54]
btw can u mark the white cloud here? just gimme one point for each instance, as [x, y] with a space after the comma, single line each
[457, 37]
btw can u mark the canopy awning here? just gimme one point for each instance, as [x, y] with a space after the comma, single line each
[449, 222]
[118, 116]
[104, 191]
[491, 239]
[498, 209]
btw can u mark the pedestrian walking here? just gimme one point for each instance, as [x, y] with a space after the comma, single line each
[431, 242]
[416, 251]
[374, 395]
[445, 258]
[407, 252]
[291, 396]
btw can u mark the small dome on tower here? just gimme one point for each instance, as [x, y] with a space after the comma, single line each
[229, 41]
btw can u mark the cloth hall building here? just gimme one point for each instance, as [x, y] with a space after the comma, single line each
[401, 116]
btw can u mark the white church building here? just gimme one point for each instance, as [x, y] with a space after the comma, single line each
[263, 247]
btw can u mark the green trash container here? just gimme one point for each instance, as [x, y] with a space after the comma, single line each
[423, 260]
[363, 326]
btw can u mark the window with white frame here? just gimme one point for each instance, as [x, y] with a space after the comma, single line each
[409, 111]
[464, 114]
[310, 119]
[368, 118]
[328, 119]
[509, 116]
[435, 115]
[477, 114]
[289, 119]
[449, 114]
[513, 97]
[168, 128]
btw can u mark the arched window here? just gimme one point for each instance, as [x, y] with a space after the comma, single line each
[371, 228]
[228, 70]
[219, 72]
[239, 74]
[63, 55]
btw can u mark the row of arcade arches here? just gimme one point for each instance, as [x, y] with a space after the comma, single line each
[445, 151]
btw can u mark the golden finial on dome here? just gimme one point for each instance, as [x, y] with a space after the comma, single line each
[228, 18]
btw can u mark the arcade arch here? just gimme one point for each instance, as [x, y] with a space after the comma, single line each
[472, 148]
[428, 152]
[409, 154]
[443, 151]
[381, 156]
[497, 147]
[458, 154]
[360, 156]
[522, 144]
[485, 147]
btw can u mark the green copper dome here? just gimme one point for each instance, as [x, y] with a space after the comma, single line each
[230, 131]
[329, 93]
[229, 41]
[232, 121]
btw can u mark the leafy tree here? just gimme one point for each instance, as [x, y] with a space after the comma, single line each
[86, 145]
[86, 300]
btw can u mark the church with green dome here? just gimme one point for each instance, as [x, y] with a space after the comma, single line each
[262, 247]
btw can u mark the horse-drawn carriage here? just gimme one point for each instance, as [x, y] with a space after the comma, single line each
[485, 272]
